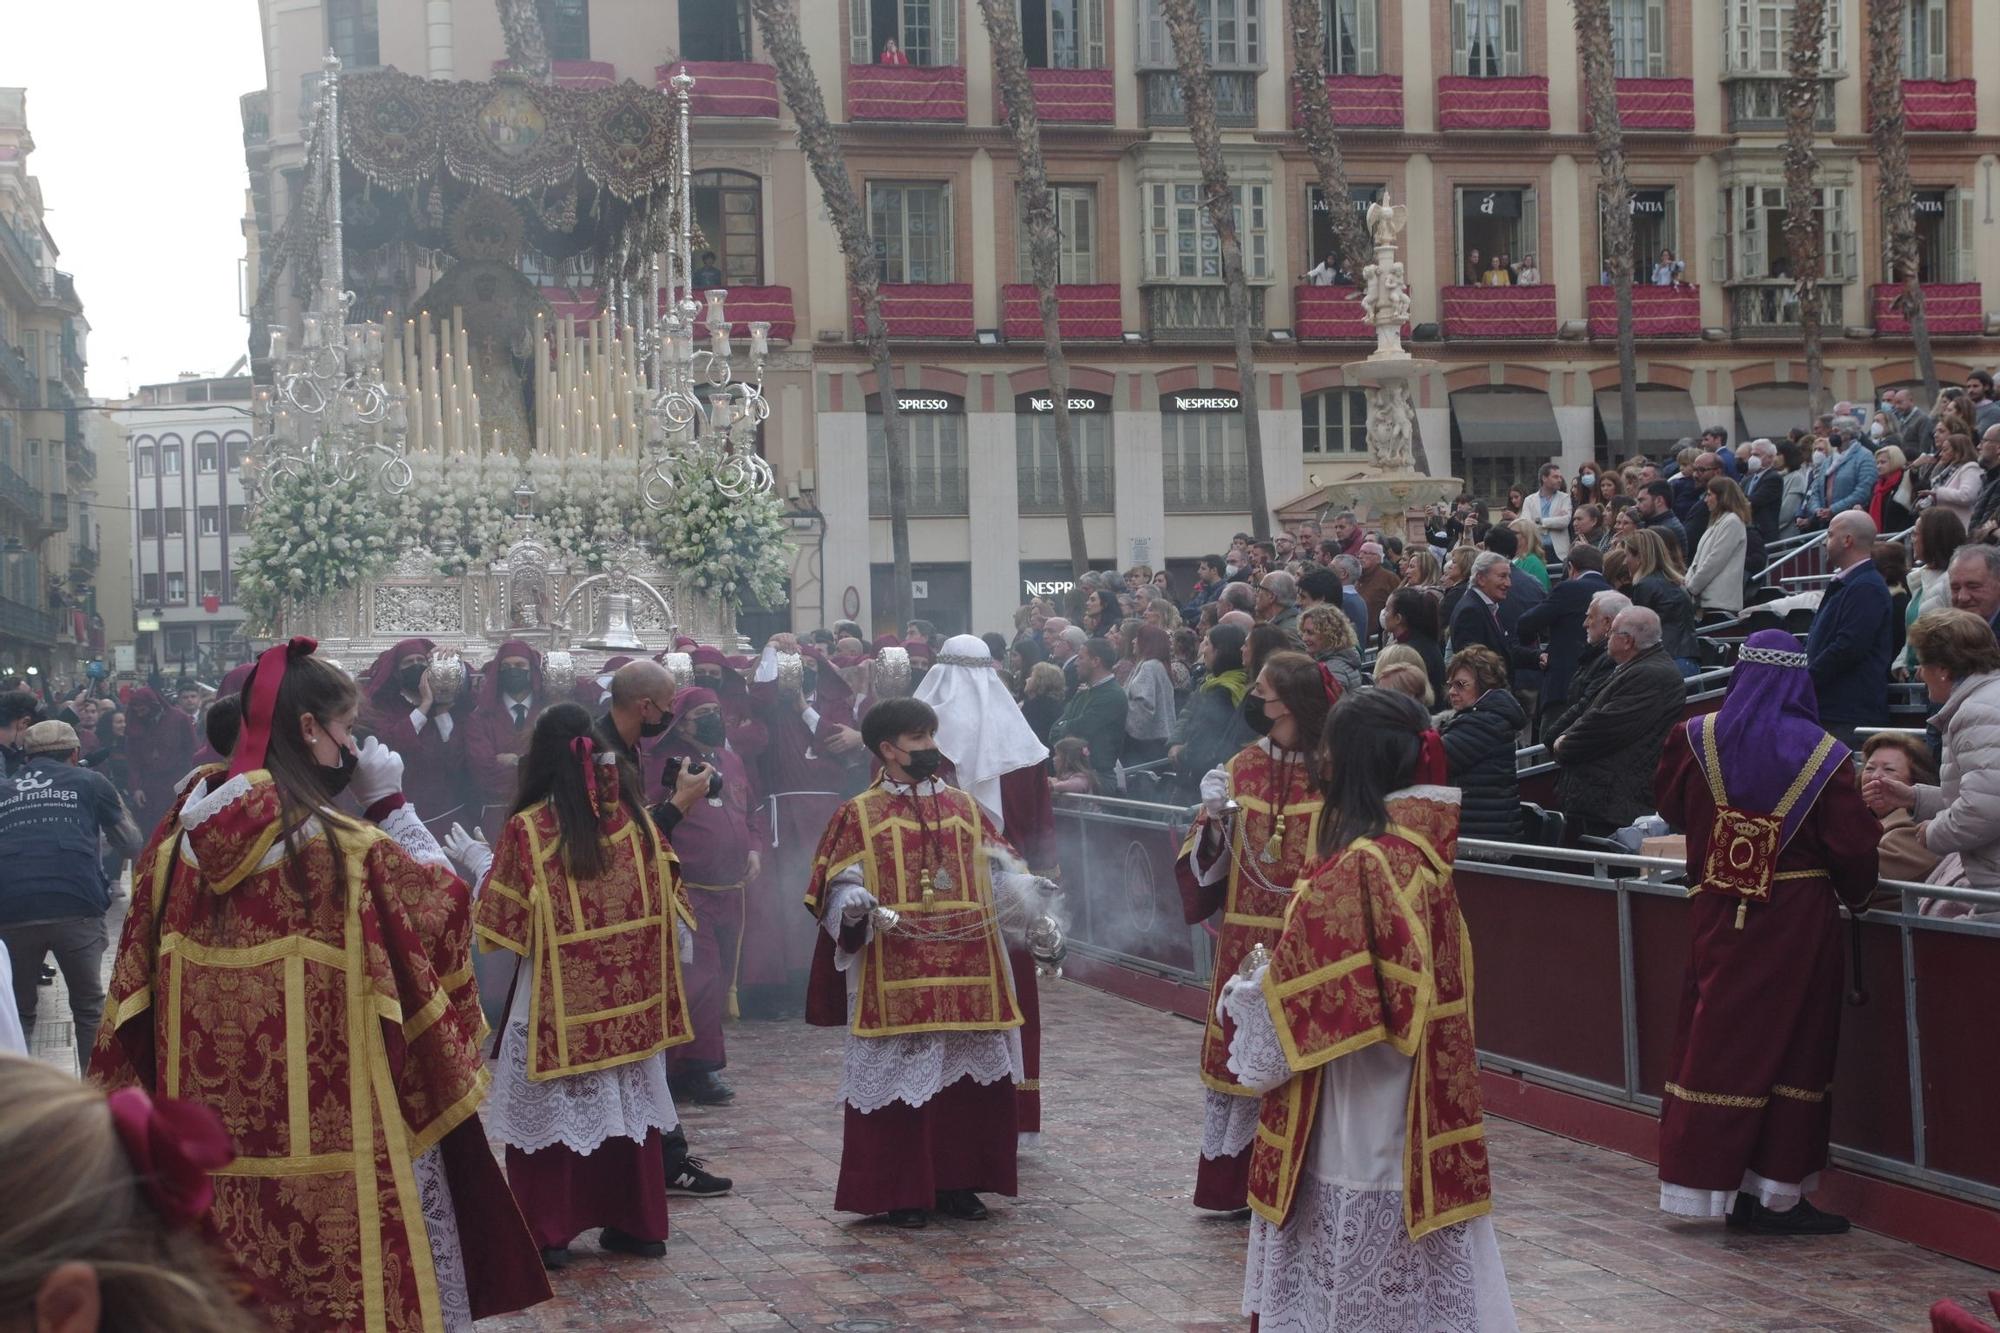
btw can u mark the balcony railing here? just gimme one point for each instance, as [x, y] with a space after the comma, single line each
[61, 288]
[1771, 308]
[1931, 107]
[737, 89]
[83, 557]
[920, 310]
[937, 486]
[54, 515]
[1657, 312]
[82, 459]
[1196, 314]
[580, 74]
[1500, 312]
[906, 92]
[72, 347]
[1085, 312]
[1951, 310]
[15, 490]
[14, 373]
[23, 254]
[1068, 96]
[1331, 314]
[744, 306]
[1517, 102]
[1361, 101]
[20, 621]
[1654, 104]
[256, 112]
[1759, 104]
[1235, 97]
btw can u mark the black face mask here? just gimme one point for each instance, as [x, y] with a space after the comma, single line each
[710, 729]
[337, 776]
[809, 682]
[1254, 714]
[411, 677]
[657, 727]
[922, 765]
[708, 682]
[515, 681]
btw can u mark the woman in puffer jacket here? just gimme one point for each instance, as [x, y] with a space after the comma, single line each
[1480, 734]
[1959, 663]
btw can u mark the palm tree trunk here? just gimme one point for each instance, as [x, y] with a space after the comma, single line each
[779, 22]
[1600, 92]
[1892, 158]
[1010, 68]
[1198, 98]
[1804, 222]
[527, 47]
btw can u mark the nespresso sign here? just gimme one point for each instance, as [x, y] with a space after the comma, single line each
[920, 402]
[1041, 404]
[1201, 400]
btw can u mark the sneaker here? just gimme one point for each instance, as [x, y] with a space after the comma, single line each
[624, 1242]
[692, 1180]
[1801, 1219]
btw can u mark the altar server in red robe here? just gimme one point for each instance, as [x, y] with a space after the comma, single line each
[309, 978]
[932, 1056]
[1254, 838]
[993, 755]
[583, 888]
[1777, 839]
[404, 714]
[1369, 1177]
[717, 841]
[159, 751]
[497, 734]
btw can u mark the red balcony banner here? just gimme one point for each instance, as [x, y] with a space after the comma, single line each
[1500, 312]
[1331, 314]
[577, 303]
[1068, 96]
[906, 92]
[1951, 309]
[726, 87]
[1361, 101]
[573, 73]
[747, 305]
[922, 310]
[1517, 103]
[1086, 311]
[1653, 104]
[1657, 312]
[1940, 108]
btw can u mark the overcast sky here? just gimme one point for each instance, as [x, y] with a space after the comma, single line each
[139, 149]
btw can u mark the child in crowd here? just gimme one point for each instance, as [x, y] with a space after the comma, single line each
[1073, 771]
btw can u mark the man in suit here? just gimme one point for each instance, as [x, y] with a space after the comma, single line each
[1913, 424]
[1478, 620]
[1096, 712]
[1848, 648]
[1559, 622]
[1600, 784]
[1765, 488]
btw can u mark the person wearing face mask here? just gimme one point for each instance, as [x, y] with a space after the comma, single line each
[404, 713]
[497, 732]
[1096, 712]
[717, 672]
[339, 953]
[924, 1131]
[1252, 840]
[716, 841]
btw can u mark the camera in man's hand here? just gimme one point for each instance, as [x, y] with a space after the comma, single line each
[671, 777]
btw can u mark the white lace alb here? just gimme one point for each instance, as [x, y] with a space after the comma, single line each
[579, 1111]
[1255, 1056]
[447, 1252]
[1228, 1124]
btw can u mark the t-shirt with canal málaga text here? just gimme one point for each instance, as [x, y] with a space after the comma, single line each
[50, 816]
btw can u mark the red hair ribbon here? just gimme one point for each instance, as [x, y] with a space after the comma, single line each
[265, 678]
[174, 1146]
[585, 750]
[1432, 771]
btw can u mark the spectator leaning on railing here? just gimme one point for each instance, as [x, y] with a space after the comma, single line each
[1959, 664]
[1907, 761]
[1599, 785]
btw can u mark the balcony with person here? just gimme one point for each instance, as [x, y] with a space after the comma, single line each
[1496, 295]
[717, 50]
[904, 61]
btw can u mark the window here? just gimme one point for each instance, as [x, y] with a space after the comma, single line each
[1063, 34]
[211, 520]
[211, 583]
[149, 523]
[170, 460]
[149, 588]
[566, 28]
[204, 456]
[176, 522]
[236, 445]
[937, 464]
[911, 227]
[180, 642]
[1335, 422]
[239, 518]
[1076, 233]
[729, 209]
[31, 465]
[1655, 231]
[1945, 221]
[1039, 470]
[1494, 223]
[1638, 39]
[1486, 38]
[1180, 243]
[1924, 40]
[1758, 250]
[1351, 27]
[1232, 30]
[716, 30]
[1319, 218]
[352, 32]
[1759, 32]
[177, 588]
[925, 31]
[1202, 461]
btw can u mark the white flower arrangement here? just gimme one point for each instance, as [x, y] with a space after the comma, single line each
[733, 549]
[312, 535]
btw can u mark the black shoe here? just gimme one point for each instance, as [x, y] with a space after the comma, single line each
[1801, 1219]
[1741, 1212]
[963, 1205]
[689, 1179]
[555, 1257]
[1237, 1215]
[703, 1090]
[47, 976]
[909, 1219]
[622, 1242]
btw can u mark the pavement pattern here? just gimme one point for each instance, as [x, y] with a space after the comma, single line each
[1103, 1235]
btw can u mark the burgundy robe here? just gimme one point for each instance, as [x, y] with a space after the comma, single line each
[1030, 822]
[433, 767]
[159, 751]
[491, 731]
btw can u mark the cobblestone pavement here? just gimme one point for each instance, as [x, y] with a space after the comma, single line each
[1103, 1236]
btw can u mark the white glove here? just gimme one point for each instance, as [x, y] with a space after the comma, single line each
[378, 773]
[685, 938]
[856, 907]
[471, 855]
[1215, 791]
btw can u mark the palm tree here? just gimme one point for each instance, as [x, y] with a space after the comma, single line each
[1316, 129]
[1803, 220]
[1198, 97]
[778, 20]
[527, 47]
[1010, 68]
[1892, 157]
[1600, 94]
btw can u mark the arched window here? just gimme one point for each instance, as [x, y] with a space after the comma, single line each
[729, 209]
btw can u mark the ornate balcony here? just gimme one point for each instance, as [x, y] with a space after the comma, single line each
[1517, 103]
[1936, 107]
[1769, 308]
[1657, 312]
[1067, 97]
[1331, 314]
[1361, 101]
[1087, 312]
[1235, 97]
[1758, 104]
[1951, 309]
[923, 310]
[738, 89]
[21, 621]
[1179, 313]
[1500, 312]
[747, 305]
[906, 92]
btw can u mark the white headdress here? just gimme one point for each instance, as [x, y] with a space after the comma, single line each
[980, 727]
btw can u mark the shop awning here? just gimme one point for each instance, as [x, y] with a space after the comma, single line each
[1666, 416]
[1504, 423]
[1771, 413]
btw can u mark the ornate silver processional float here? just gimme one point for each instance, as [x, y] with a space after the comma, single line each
[484, 468]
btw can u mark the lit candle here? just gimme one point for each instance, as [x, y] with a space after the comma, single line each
[715, 315]
[760, 340]
[311, 324]
[277, 344]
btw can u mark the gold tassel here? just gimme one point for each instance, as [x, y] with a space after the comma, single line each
[1742, 906]
[1275, 848]
[930, 896]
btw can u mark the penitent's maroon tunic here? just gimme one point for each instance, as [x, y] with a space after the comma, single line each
[1749, 1081]
[1030, 822]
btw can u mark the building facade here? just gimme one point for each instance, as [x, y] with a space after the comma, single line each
[185, 444]
[1468, 111]
[49, 528]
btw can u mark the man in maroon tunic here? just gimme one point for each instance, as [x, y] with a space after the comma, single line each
[159, 751]
[497, 734]
[722, 674]
[716, 841]
[1777, 839]
[403, 713]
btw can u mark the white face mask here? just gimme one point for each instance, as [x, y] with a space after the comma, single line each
[1874, 430]
[1382, 619]
[1753, 464]
[1587, 480]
